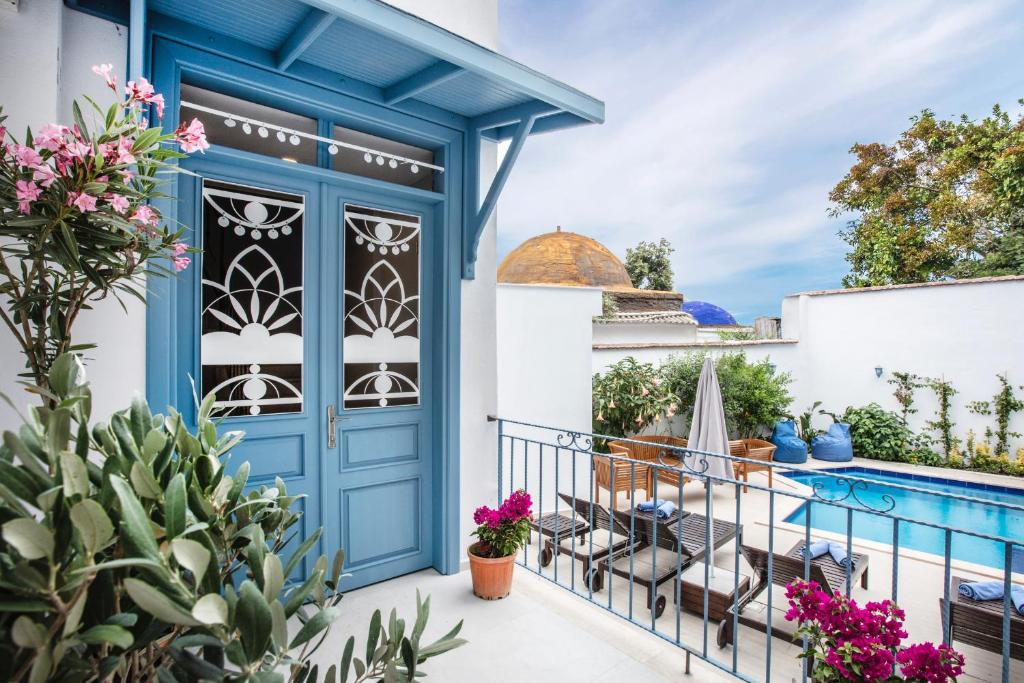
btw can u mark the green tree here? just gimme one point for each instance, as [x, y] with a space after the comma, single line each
[945, 200]
[649, 265]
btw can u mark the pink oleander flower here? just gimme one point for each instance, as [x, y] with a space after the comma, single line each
[145, 215]
[179, 248]
[26, 192]
[75, 150]
[124, 151]
[43, 174]
[192, 137]
[82, 201]
[180, 263]
[118, 203]
[106, 70]
[25, 156]
[50, 137]
[141, 92]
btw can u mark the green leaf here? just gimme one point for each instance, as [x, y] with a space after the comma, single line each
[301, 551]
[138, 533]
[58, 432]
[273, 577]
[211, 609]
[408, 658]
[317, 623]
[346, 659]
[28, 634]
[66, 373]
[30, 538]
[192, 556]
[175, 504]
[153, 445]
[104, 634]
[75, 475]
[151, 600]
[74, 617]
[279, 631]
[254, 620]
[93, 524]
[373, 636]
[144, 482]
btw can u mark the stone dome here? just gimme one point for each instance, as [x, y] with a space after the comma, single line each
[564, 258]
[708, 314]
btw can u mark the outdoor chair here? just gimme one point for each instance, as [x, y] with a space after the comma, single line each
[835, 445]
[586, 518]
[980, 622]
[660, 451]
[624, 473]
[755, 449]
[791, 448]
[785, 569]
[682, 539]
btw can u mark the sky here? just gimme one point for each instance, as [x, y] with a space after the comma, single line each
[727, 123]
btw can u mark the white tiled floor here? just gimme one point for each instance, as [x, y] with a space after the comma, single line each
[543, 632]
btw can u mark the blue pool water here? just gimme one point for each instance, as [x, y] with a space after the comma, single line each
[958, 514]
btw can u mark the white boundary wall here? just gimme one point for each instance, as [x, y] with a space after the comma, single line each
[965, 331]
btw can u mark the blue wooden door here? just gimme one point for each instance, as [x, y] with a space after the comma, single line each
[376, 332]
[307, 310]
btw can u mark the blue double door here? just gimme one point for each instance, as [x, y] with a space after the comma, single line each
[313, 318]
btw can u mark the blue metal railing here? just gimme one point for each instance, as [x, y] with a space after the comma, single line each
[529, 453]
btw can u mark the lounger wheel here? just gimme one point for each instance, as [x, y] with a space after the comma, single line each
[724, 637]
[546, 555]
[658, 607]
[594, 579]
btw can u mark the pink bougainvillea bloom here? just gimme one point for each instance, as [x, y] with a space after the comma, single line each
[27, 192]
[43, 174]
[192, 137]
[50, 136]
[82, 201]
[118, 203]
[106, 70]
[26, 156]
[145, 215]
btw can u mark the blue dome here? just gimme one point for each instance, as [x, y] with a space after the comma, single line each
[708, 314]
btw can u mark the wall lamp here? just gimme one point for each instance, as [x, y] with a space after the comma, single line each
[878, 371]
[771, 368]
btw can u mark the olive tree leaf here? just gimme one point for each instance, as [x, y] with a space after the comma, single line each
[92, 523]
[28, 634]
[151, 600]
[175, 504]
[254, 620]
[191, 555]
[317, 623]
[211, 609]
[144, 482]
[273, 577]
[111, 634]
[75, 475]
[138, 533]
[30, 538]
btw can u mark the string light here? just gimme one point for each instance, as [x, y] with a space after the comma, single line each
[295, 137]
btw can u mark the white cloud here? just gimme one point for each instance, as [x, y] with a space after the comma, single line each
[728, 125]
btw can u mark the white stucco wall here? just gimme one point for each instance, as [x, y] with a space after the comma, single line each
[629, 332]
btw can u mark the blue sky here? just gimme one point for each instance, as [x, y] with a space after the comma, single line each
[729, 122]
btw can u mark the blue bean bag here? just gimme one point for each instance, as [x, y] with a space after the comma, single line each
[834, 445]
[790, 448]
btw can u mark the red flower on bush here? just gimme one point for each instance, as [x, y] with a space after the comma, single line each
[864, 643]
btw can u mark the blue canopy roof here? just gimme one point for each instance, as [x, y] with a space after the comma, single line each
[385, 55]
[708, 314]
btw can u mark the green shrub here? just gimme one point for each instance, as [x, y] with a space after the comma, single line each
[629, 396]
[754, 396]
[129, 553]
[878, 433]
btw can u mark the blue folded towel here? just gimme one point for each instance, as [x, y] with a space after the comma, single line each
[819, 548]
[993, 590]
[665, 508]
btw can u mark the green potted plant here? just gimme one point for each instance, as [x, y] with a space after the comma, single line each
[501, 533]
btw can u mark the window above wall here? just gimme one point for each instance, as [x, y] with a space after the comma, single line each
[240, 124]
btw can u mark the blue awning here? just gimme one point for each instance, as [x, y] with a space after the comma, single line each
[384, 54]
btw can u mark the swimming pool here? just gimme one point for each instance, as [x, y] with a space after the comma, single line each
[959, 514]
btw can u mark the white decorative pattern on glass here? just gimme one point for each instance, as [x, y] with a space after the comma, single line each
[252, 347]
[252, 214]
[381, 349]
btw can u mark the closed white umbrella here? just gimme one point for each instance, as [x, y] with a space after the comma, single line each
[709, 434]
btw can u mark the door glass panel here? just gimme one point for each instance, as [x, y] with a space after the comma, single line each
[381, 349]
[380, 168]
[252, 351]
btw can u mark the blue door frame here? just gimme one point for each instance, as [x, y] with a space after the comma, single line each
[172, 314]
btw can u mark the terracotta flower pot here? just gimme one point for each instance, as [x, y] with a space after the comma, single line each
[492, 577]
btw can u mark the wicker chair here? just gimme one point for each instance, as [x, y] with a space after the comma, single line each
[616, 475]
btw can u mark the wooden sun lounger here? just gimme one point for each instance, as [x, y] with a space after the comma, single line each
[785, 569]
[980, 622]
[682, 538]
[578, 526]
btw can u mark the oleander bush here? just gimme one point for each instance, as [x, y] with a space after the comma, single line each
[129, 553]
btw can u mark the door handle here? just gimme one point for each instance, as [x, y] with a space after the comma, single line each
[332, 426]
